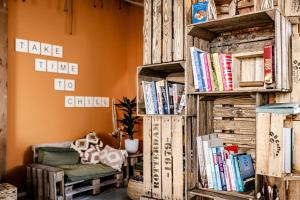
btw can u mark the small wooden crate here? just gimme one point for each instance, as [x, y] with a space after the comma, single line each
[8, 192]
[163, 157]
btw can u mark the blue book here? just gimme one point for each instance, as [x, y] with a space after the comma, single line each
[217, 170]
[202, 71]
[240, 187]
[246, 171]
[221, 168]
[212, 167]
[154, 97]
[198, 69]
[199, 12]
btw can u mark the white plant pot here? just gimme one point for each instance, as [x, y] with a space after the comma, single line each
[132, 146]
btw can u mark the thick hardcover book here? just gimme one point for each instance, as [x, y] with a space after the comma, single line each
[170, 100]
[217, 169]
[217, 67]
[280, 108]
[226, 71]
[221, 168]
[199, 12]
[208, 72]
[269, 65]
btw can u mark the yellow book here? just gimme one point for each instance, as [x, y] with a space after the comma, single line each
[217, 67]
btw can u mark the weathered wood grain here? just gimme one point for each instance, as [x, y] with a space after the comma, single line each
[295, 95]
[178, 47]
[237, 126]
[278, 50]
[167, 160]
[178, 170]
[147, 32]
[157, 31]
[243, 141]
[296, 152]
[292, 8]
[147, 149]
[156, 158]
[3, 90]
[167, 31]
[234, 112]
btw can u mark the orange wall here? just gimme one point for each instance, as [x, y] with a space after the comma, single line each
[107, 45]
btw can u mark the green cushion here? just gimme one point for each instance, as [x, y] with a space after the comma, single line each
[54, 156]
[139, 166]
[86, 172]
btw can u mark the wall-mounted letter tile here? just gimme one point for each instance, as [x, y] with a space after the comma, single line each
[105, 101]
[63, 67]
[70, 85]
[79, 101]
[52, 66]
[40, 65]
[89, 102]
[69, 101]
[22, 45]
[97, 102]
[46, 49]
[73, 68]
[59, 84]
[57, 51]
[34, 47]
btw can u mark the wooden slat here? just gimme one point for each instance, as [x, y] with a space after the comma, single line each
[53, 192]
[3, 90]
[147, 145]
[40, 187]
[147, 32]
[238, 126]
[292, 8]
[234, 112]
[167, 31]
[177, 138]
[243, 141]
[284, 57]
[156, 158]
[296, 151]
[293, 190]
[157, 31]
[295, 95]
[28, 181]
[178, 49]
[235, 101]
[167, 161]
[46, 184]
[278, 50]
[34, 182]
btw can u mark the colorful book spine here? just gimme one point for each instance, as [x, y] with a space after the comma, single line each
[196, 73]
[269, 72]
[170, 102]
[159, 98]
[240, 187]
[221, 168]
[216, 63]
[227, 176]
[217, 169]
[154, 97]
[208, 72]
[213, 72]
[212, 167]
[226, 71]
[202, 71]
[234, 177]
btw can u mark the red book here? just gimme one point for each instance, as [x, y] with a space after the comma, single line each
[226, 71]
[232, 149]
[269, 73]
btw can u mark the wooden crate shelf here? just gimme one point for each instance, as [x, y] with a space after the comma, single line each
[222, 194]
[225, 93]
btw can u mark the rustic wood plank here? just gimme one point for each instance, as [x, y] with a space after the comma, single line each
[238, 126]
[239, 100]
[292, 8]
[284, 57]
[147, 145]
[167, 161]
[278, 50]
[178, 47]
[40, 187]
[243, 141]
[46, 184]
[189, 78]
[296, 152]
[293, 190]
[28, 181]
[157, 31]
[147, 32]
[177, 139]
[156, 158]
[167, 31]
[34, 183]
[3, 90]
[295, 95]
[234, 112]
[52, 183]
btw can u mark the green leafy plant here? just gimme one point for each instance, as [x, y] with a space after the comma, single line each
[129, 118]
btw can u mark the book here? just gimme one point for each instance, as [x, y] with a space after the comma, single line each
[207, 72]
[150, 97]
[178, 90]
[217, 67]
[280, 108]
[162, 97]
[269, 71]
[169, 96]
[233, 173]
[287, 149]
[204, 165]
[199, 12]
[213, 78]
[182, 104]
[212, 168]
[226, 71]
[217, 169]
[221, 168]
[196, 69]
[239, 183]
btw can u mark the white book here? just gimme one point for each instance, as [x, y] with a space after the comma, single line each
[201, 159]
[207, 164]
[148, 97]
[229, 165]
[287, 150]
[194, 67]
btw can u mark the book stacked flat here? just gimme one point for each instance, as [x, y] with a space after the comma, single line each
[163, 97]
[211, 72]
[222, 168]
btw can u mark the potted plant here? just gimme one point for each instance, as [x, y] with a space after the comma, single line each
[128, 122]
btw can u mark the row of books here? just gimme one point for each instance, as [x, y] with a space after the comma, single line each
[222, 168]
[211, 72]
[163, 97]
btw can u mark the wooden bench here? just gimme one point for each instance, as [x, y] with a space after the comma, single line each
[46, 182]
